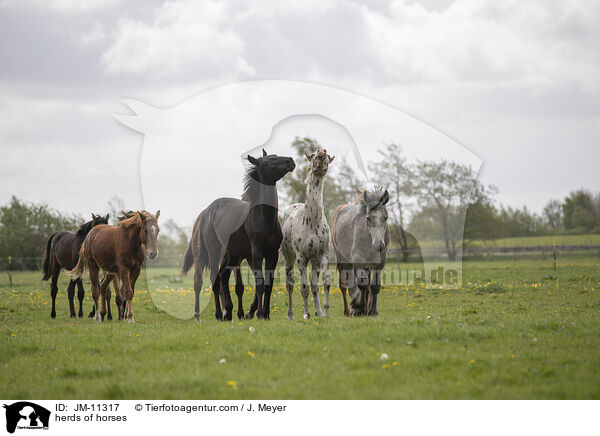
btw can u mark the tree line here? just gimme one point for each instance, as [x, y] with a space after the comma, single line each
[426, 198]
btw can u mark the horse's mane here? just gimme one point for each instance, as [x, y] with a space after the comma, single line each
[130, 219]
[249, 181]
[85, 228]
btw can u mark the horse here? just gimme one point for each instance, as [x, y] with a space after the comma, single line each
[62, 251]
[306, 237]
[231, 230]
[361, 239]
[118, 250]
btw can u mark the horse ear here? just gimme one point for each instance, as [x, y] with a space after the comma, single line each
[252, 160]
[331, 158]
[107, 216]
[365, 197]
[157, 214]
[264, 152]
[358, 191]
[308, 156]
[93, 216]
[385, 198]
[142, 216]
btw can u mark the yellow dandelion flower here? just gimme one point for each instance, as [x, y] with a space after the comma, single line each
[250, 353]
[233, 384]
[385, 365]
[471, 362]
[395, 363]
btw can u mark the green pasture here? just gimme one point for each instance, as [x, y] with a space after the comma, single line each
[516, 329]
[527, 241]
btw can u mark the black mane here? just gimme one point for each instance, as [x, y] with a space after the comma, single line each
[85, 228]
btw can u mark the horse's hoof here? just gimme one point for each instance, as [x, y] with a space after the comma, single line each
[52, 314]
[197, 317]
[97, 318]
[80, 314]
[73, 315]
[307, 316]
[240, 315]
[249, 315]
[91, 314]
[291, 317]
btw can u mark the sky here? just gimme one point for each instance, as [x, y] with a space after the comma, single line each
[517, 83]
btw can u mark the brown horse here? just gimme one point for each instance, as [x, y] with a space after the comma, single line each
[118, 250]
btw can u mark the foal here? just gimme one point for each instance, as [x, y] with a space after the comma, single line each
[62, 251]
[118, 250]
[306, 237]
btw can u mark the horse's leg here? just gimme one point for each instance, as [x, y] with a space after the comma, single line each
[326, 282]
[118, 296]
[290, 282]
[314, 286]
[225, 274]
[108, 313]
[93, 271]
[259, 284]
[134, 274]
[375, 287]
[54, 290]
[71, 295]
[216, 288]
[239, 291]
[270, 265]
[128, 294]
[197, 290]
[343, 279]
[358, 304]
[104, 290]
[304, 288]
[80, 295]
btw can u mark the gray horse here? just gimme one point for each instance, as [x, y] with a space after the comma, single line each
[361, 238]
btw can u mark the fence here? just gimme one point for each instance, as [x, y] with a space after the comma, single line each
[394, 255]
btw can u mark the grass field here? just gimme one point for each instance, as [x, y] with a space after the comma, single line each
[516, 329]
[527, 241]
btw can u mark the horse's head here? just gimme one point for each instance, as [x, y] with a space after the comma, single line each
[376, 215]
[319, 161]
[149, 232]
[269, 168]
[99, 219]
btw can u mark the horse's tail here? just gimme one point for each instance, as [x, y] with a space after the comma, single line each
[79, 269]
[49, 260]
[188, 257]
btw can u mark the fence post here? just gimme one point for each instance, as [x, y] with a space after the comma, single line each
[554, 256]
[9, 269]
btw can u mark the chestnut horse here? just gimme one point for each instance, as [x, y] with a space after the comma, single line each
[118, 250]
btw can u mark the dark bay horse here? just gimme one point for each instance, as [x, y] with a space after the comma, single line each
[62, 251]
[361, 239]
[118, 250]
[231, 230]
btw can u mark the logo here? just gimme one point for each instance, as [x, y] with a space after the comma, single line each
[26, 415]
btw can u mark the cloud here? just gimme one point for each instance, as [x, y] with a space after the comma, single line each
[60, 5]
[532, 43]
[181, 37]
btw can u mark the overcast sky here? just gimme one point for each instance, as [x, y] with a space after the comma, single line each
[516, 82]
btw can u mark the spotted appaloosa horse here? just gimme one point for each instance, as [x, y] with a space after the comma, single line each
[306, 237]
[118, 250]
[361, 238]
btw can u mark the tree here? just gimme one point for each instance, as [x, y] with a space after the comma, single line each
[580, 213]
[334, 194]
[553, 213]
[446, 189]
[25, 229]
[116, 205]
[482, 222]
[393, 173]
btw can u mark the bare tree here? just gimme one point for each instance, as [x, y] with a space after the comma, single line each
[553, 213]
